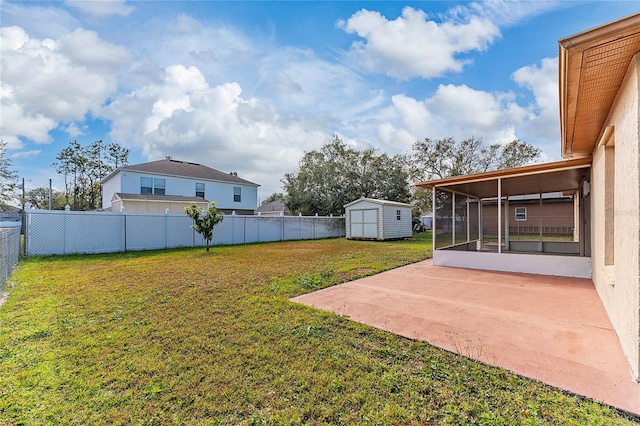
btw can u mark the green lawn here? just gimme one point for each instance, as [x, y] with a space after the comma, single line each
[189, 337]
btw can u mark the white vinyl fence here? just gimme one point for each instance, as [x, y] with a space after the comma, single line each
[9, 249]
[66, 232]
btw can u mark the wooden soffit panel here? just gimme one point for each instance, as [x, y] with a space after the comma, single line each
[592, 66]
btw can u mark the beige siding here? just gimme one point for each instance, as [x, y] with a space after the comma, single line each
[141, 206]
[557, 217]
[618, 283]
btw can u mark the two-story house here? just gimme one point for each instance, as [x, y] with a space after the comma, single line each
[171, 184]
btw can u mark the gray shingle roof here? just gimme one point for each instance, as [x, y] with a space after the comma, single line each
[274, 206]
[183, 169]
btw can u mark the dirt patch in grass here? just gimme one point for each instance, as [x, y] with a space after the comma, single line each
[189, 337]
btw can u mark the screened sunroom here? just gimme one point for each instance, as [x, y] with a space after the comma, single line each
[532, 219]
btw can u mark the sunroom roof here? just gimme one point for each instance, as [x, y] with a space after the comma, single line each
[560, 176]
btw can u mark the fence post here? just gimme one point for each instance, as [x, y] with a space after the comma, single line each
[124, 226]
[166, 228]
[26, 227]
[67, 211]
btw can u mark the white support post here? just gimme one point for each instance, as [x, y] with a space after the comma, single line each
[453, 218]
[506, 223]
[468, 228]
[499, 216]
[480, 230]
[540, 226]
[433, 220]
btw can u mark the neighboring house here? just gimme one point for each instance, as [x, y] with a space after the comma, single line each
[274, 208]
[599, 79]
[427, 220]
[372, 219]
[552, 214]
[173, 184]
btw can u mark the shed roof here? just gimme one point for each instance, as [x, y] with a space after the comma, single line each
[170, 167]
[558, 176]
[592, 66]
[376, 201]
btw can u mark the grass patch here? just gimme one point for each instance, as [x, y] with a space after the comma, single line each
[189, 337]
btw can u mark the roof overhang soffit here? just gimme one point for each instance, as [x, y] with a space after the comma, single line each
[592, 66]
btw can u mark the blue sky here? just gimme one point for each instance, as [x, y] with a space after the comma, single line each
[250, 86]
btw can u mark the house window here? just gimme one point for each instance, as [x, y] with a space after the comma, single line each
[146, 185]
[521, 214]
[200, 190]
[398, 214]
[237, 194]
[158, 186]
[609, 204]
[152, 186]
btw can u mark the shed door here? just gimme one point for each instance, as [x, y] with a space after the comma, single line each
[364, 223]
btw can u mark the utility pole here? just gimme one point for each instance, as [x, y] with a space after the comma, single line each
[50, 196]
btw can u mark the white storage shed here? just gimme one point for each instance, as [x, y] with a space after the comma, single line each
[370, 219]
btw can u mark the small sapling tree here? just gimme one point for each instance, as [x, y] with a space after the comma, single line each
[203, 223]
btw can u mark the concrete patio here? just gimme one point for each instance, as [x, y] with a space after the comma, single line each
[551, 329]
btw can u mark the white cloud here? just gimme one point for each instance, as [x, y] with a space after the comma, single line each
[221, 52]
[188, 119]
[74, 129]
[38, 21]
[210, 94]
[102, 8]
[543, 82]
[454, 111]
[505, 12]
[33, 153]
[46, 82]
[460, 112]
[85, 48]
[413, 46]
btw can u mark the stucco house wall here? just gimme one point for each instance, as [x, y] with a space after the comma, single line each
[618, 284]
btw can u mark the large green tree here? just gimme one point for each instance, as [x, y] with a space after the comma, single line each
[336, 174]
[83, 167]
[8, 176]
[441, 158]
[39, 198]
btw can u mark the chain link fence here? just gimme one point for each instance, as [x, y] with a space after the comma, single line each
[67, 232]
[9, 251]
